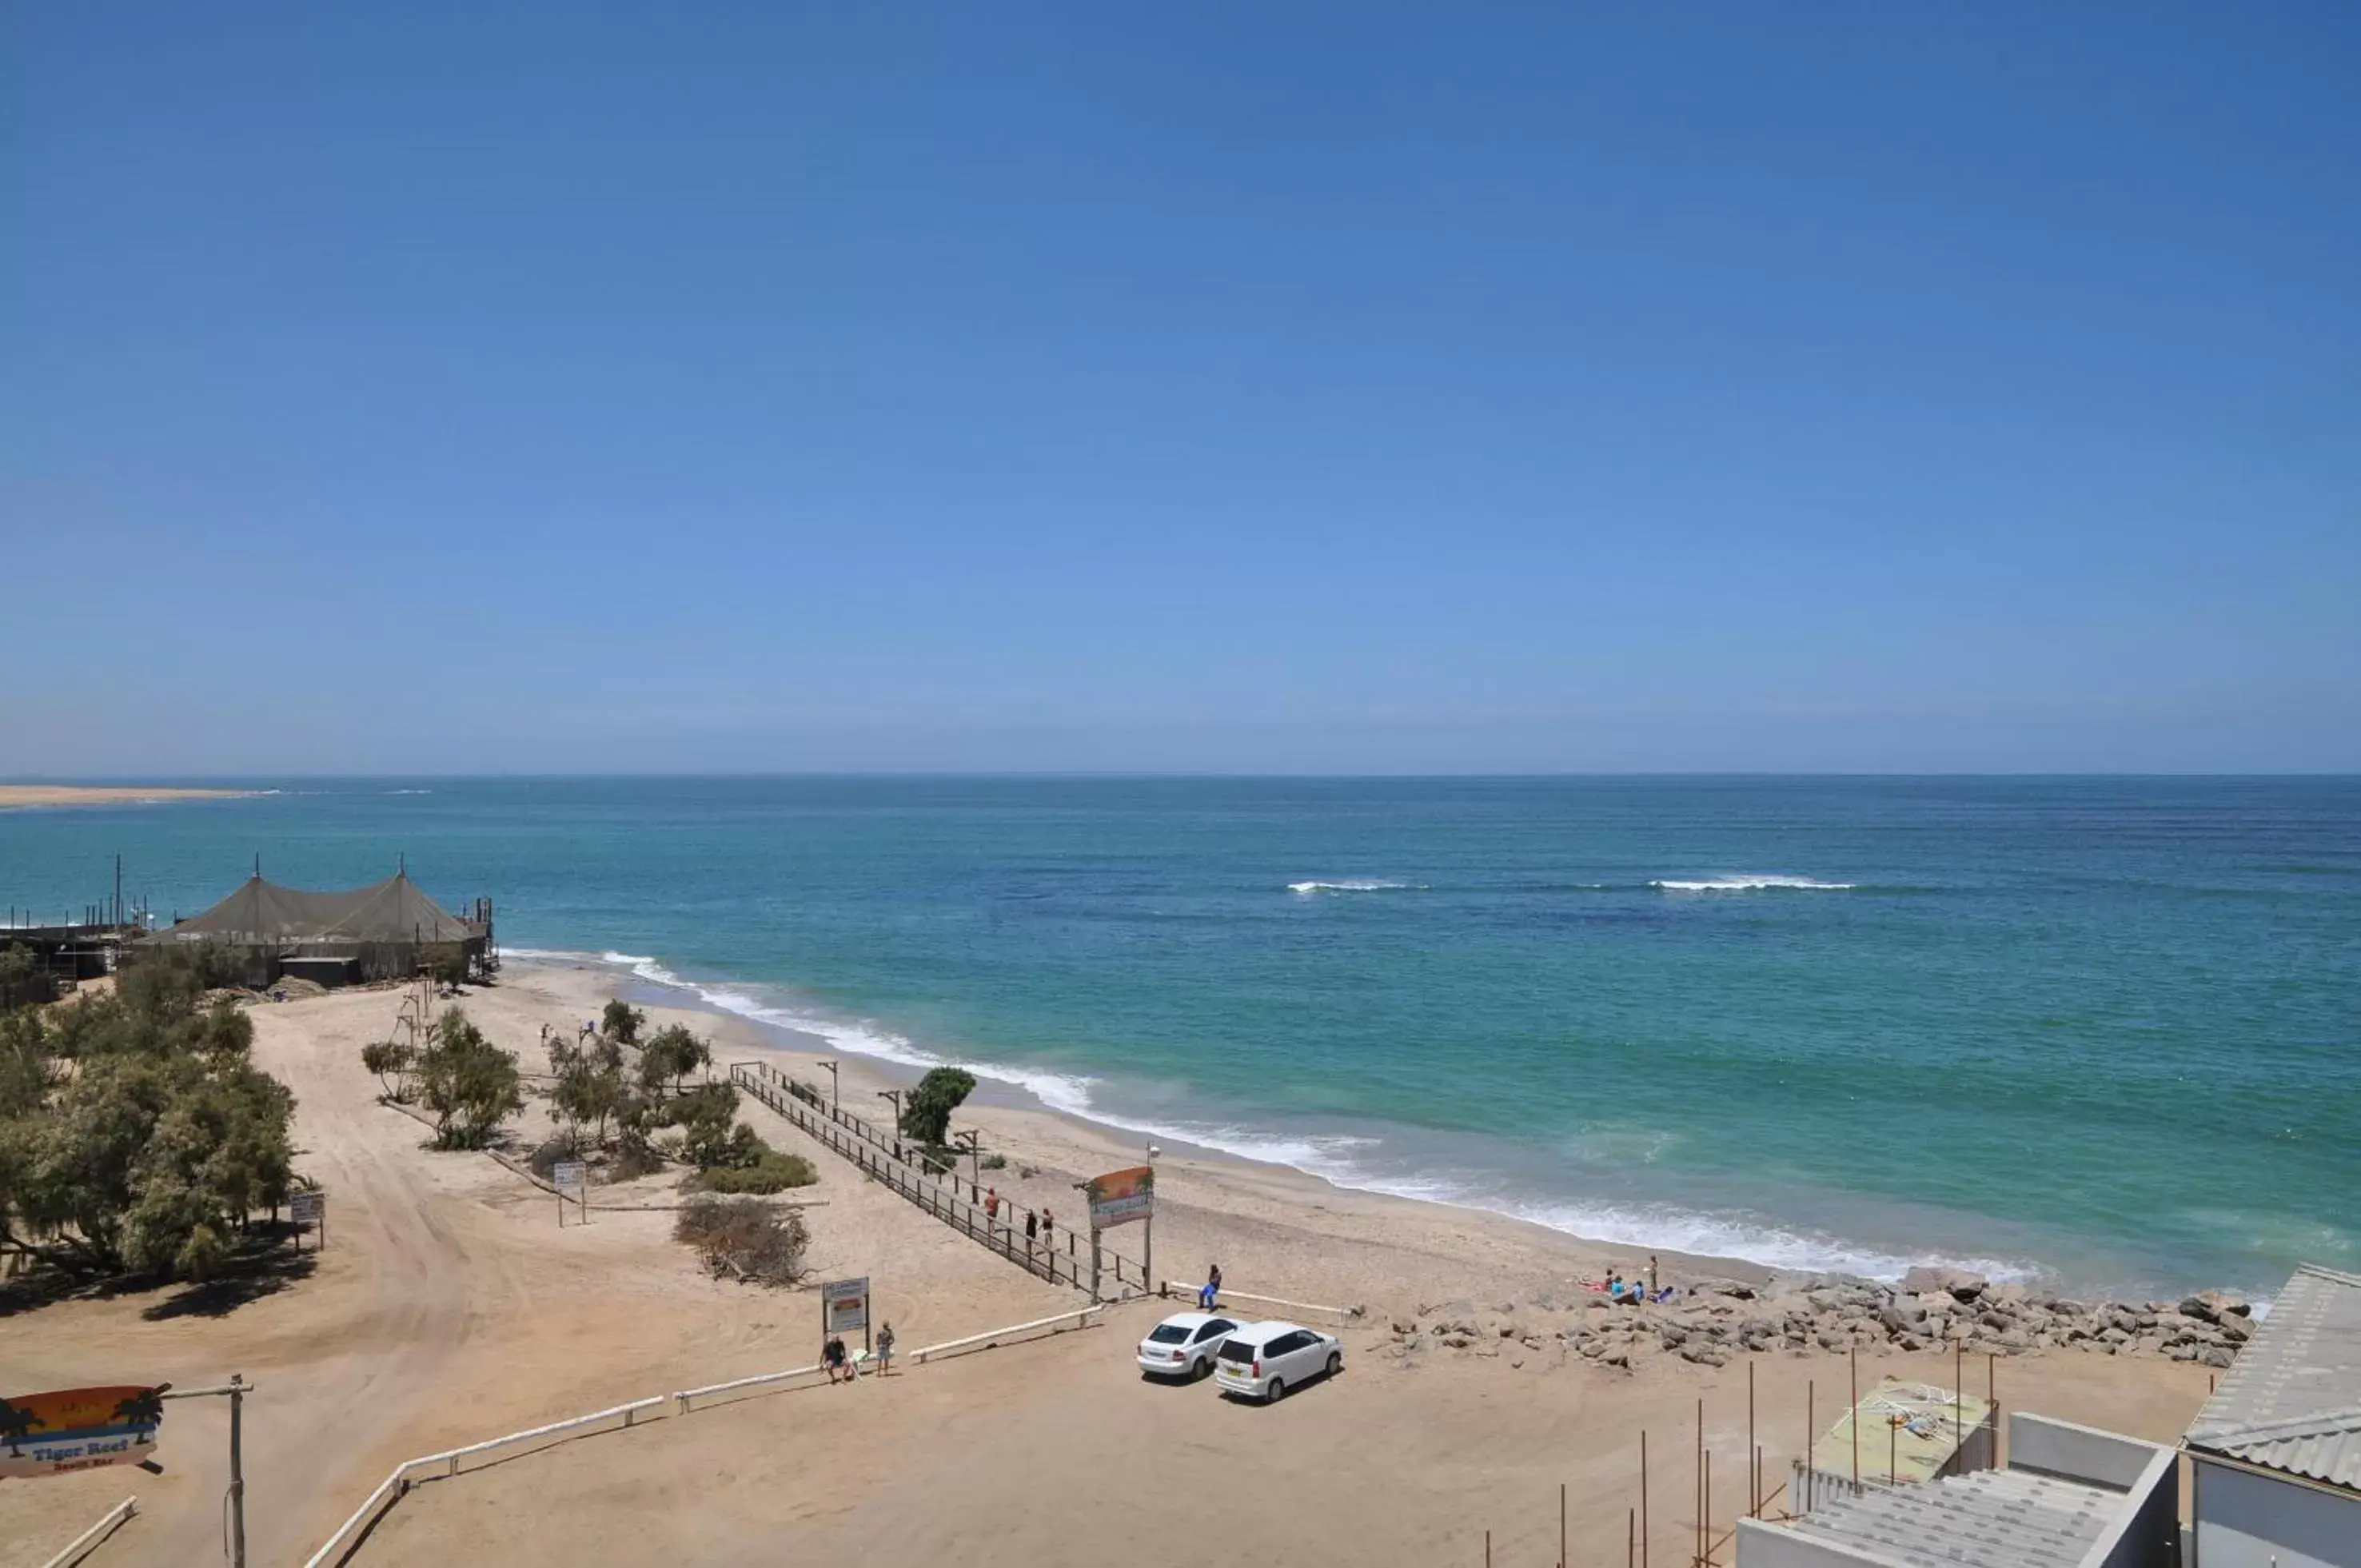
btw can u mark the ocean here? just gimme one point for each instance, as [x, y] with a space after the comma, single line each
[2105, 1032]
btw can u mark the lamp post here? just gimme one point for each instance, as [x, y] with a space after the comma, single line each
[832, 1085]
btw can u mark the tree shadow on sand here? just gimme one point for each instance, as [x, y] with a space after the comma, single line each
[263, 1266]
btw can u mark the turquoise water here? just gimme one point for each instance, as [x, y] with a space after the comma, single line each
[2106, 1032]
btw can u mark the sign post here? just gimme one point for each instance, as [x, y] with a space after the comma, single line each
[1118, 1198]
[79, 1429]
[574, 1174]
[844, 1307]
[308, 1207]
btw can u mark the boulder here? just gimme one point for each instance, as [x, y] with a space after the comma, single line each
[1955, 1282]
[1705, 1354]
[2212, 1306]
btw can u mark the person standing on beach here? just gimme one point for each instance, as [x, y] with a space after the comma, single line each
[1032, 1228]
[1047, 1239]
[991, 1208]
[1651, 1274]
[884, 1350]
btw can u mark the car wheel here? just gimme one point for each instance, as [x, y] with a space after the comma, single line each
[1336, 1362]
[1203, 1369]
[1275, 1393]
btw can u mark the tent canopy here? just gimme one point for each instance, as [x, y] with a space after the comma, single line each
[393, 910]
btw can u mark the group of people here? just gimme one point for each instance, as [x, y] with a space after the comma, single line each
[1038, 1225]
[1634, 1291]
[843, 1366]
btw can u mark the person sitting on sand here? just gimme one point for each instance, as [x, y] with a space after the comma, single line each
[1614, 1286]
[833, 1359]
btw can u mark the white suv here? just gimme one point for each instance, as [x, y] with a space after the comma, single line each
[1182, 1345]
[1264, 1360]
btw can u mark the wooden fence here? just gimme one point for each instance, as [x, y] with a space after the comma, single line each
[1086, 1264]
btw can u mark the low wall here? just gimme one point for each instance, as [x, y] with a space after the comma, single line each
[2077, 1453]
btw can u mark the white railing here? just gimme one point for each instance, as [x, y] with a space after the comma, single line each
[339, 1546]
[87, 1542]
[1176, 1288]
[1080, 1317]
[761, 1379]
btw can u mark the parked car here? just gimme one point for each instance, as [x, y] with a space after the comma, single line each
[1263, 1361]
[1182, 1345]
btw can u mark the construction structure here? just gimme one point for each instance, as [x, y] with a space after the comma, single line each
[2276, 1454]
[2070, 1497]
[388, 930]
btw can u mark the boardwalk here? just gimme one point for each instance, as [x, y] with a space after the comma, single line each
[1086, 1265]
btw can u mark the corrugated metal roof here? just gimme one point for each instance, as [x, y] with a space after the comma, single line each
[2292, 1400]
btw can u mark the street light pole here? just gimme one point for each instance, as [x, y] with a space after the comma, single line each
[238, 1388]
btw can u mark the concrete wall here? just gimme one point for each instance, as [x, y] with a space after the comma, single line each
[2246, 1520]
[2148, 1535]
[2077, 1453]
[1764, 1545]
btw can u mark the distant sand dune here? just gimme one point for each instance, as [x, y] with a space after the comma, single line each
[14, 797]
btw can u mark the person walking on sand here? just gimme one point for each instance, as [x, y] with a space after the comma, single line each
[884, 1350]
[1032, 1229]
[1047, 1239]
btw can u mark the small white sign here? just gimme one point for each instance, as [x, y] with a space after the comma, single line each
[844, 1305]
[307, 1207]
[570, 1173]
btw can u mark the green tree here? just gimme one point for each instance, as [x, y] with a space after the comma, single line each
[23, 981]
[926, 1114]
[590, 1091]
[392, 1061]
[671, 1056]
[469, 1084]
[623, 1021]
[155, 1145]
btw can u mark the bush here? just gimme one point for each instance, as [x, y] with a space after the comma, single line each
[745, 1237]
[672, 1056]
[775, 1171]
[23, 981]
[392, 1061]
[993, 1162]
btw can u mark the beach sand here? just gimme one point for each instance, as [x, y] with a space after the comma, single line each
[448, 1306]
[20, 797]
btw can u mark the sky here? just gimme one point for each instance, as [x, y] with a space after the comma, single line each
[1345, 388]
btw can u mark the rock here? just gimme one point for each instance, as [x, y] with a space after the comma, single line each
[1996, 1321]
[1505, 1307]
[1705, 1354]
[2236, 1329]
[1508, 1330]
[2217, 1355]
[1517, 1362]
[1457, 1341]
[2212, 1306]
[1955, 1282]
[1594, 1349]
[2115, 1336]
[1615, 1358]
[1533, 1342]
[1903, 1317]
[1673, 1336]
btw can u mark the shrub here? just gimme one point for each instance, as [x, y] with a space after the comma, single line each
[993, 1162]
[392, 1061]
[773, 1170]
[745, 1237]
[23, 981]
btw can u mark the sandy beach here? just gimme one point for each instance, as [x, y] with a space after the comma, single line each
[448, 1306]
[18, 797]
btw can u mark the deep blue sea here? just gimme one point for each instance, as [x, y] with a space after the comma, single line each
[2100, 1031]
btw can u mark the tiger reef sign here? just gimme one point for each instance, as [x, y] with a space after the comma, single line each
[78, 1429]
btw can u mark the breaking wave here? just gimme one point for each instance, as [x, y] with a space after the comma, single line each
[1350, 884]
[1347, 1161]
[1752, 883]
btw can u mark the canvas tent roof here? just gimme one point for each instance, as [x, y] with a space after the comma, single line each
[393, 910]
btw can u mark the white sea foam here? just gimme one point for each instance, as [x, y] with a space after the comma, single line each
[1350, 884]
[1751, 883]
[1346, 1160]
[409, 792]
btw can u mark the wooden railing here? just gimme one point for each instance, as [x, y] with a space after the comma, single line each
[1066, 1258]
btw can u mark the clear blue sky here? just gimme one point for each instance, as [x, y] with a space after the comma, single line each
[1209, 387]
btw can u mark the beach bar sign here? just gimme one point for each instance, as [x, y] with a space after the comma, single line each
[78, 1429]
[1122, 1196]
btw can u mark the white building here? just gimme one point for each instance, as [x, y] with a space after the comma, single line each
[2276, 1454]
